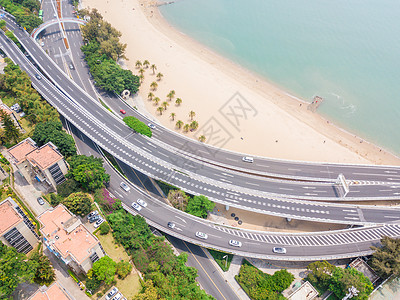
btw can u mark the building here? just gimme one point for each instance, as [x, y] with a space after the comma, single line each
[360, 265]
[44, 164]
[68, 239]
[16, 230]
[305, 292]
[53, 292]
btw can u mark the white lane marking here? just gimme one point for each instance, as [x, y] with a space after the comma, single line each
[391, 217]
[184, 221]
[152, 145]
[226, 180]
[229, 175]
[119, 194]
[227, 158]
[214, 235]
[286, 189]
[294, 169]
[255, 184]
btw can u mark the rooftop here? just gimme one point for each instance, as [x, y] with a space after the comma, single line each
[305, 292]
[53, 292]
[77, 241]
[361, 266]
[19, 151]
[45, 156]
[8, 216]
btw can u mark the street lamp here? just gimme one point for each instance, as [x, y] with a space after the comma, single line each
[226, 261]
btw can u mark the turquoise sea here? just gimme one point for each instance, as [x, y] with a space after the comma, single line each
[347, 51]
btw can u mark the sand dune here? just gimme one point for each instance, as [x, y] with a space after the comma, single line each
[245, 112]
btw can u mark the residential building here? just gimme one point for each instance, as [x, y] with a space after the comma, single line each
[16, 230]
[44, 164]
[305, 292]
[68, 239]
[360, 265]
[54, 292]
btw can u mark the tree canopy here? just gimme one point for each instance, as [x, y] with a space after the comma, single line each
[88, 171]
[386, 259]
[343, 279]
[78, 203]
[138, 126]
[199, 206]
[25, 12]
[104, 269]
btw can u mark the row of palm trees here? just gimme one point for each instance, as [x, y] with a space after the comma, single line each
[170, 96]
[146, 65]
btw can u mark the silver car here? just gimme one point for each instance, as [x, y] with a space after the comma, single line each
[111, 293]
[201, 235]
[125, 187]
[279, 250]
[136, 206]
[141, 202]
[151, 125]
[235, 243]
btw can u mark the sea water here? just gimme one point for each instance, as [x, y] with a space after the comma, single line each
[346, 51]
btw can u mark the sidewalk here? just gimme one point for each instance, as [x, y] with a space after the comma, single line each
[231, 273]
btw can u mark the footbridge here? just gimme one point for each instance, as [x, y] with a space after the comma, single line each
[43, 26]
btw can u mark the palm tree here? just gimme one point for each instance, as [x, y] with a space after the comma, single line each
[141, 71]
[138, 64]
[186, 127]
[179, 124]
[156, 100]
[160, 109]
[173, 115]
[146, 63]
[153, 67]
[159, 76]
[178, 101]
[202, 138]
[171, 95]
[141, 77]
[154, 85]
[150, 96]
[192, 114]
[165, 104]
[194, 125]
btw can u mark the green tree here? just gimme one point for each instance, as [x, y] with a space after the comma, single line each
[343, 279]
[14, 269]
[178, 101]
[165, 104]
[320, 273]
[141, 71]
[146, 63]
[138, 64]
[159, 76]
[199, 206]
[150, 96]
[149, 292]
[171, 95]
[186, 127]
[78, 203]
[124, 268]
[153, 67]
[3, 25]
[179, 124]
[104, 228]
[104, 269]
[178, 199]
[194, 125]
[192, 114]
[12, 133]
[160, 109]
[138, 126]
[202, 138]
[44, 270]
[386, 259]
[154, 85]
[88, 171]
[156, 100]
[173, 115]
[68, 187]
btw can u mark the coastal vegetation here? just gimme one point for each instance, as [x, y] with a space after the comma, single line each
[260, 286]
[102, 51]
[324, 276]
[25, 12]
[138, 125]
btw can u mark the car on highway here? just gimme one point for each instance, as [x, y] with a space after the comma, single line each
[38, 77]
[151, 125]
[136, 206]
[201, 235]
[279, 250]
[71, 66]
[248, 159]
[122, 111]
[171, 225]
[40, 200]
[235, 243]
[125, 187]
[42, 44]
[94, 218]
[111, 293]
[92, 214]
[98, 222]
[142, 202]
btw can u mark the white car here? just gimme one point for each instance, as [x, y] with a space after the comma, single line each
[142, 202]
[151, 125]
[171, 225]
[92, 214]
[235, 243]
[111, 293]
[125, 187]
[136, 206]
[98, 222]
[279, 250]
[117, 297]
[201, 235]
[248, 159]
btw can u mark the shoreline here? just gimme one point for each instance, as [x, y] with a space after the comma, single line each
[314, 137]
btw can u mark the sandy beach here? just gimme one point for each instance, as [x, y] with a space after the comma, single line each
[270, 122]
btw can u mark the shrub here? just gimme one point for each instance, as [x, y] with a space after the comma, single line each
[124, 268]
[138, 126]
[104, 228]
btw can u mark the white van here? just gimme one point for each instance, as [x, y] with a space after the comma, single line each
[248, 159]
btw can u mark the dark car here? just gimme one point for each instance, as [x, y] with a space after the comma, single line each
[38, 76]
[94, 218]
[40, 200]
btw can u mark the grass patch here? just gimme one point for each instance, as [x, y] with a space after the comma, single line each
[130, 286]
[218, 257]
[105, 105]
[332, 297]
[116, 252]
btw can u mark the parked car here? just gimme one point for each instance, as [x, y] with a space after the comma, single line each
[279, 250]
[201, 235]
[94, 218]
[171, 225]
[117, 296]
[136, 206]
[122, 111]
[235, 243]
[98, 222]
[124, 186]
[40, 200]
[111, 293]
[142, 202]
[92, 214]
[151, 125]
[248, 159]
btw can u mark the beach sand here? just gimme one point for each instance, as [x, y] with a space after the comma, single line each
[273, 124]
